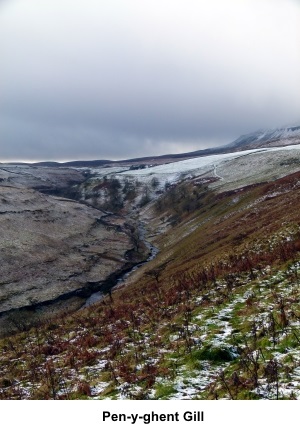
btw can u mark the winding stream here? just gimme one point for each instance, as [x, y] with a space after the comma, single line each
[153, 251]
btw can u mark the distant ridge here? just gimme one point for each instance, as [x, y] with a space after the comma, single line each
[90, 163]
[141, 160]
[259, 139]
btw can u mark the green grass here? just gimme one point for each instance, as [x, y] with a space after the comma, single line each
[163, 391]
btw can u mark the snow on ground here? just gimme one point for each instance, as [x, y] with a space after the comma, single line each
[220, 166]
[189, 384]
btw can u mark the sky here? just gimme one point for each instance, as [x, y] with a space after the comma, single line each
[116, 79]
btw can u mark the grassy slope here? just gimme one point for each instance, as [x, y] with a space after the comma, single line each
[215, 315]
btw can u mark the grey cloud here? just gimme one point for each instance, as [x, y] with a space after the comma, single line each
[110, 80]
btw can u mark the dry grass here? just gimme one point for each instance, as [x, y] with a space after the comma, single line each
[223, 291]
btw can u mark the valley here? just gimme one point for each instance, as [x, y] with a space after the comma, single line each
[209, 304]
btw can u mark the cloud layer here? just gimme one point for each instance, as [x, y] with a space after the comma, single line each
[98, 79]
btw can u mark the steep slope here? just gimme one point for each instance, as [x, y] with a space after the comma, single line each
[54, 251]
[214, 315]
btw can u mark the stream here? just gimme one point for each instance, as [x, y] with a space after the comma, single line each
[153, 251]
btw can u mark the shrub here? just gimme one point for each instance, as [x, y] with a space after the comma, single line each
[214, 353]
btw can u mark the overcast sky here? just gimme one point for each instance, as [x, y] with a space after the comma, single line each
[113, 79]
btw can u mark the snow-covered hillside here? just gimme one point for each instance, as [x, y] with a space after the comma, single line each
[226, 168]
[283, 136]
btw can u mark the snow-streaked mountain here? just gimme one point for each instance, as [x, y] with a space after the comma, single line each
[265, 138]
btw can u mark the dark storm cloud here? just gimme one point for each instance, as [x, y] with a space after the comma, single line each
[118, 79]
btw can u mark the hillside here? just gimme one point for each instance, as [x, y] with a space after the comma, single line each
[214, 314]
[55, 251]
